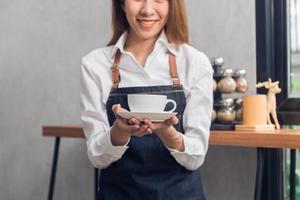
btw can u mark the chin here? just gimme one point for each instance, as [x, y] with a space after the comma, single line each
[148, 35]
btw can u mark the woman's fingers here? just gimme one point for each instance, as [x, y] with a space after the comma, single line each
[134, 129]
[115, 108]
[127, 128]
[139, 131]
[134, 121]
[154, 126]
[172, 121]
[160, 125]
[133, 126]
[143, 130]
[122, 109]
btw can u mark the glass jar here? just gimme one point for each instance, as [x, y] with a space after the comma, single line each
[227, 84]
[241, 82]
[239, 110]
[226, 114]
[213, 115]
[214, 85]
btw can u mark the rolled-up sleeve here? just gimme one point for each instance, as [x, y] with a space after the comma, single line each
[94, 119]
[197, 116]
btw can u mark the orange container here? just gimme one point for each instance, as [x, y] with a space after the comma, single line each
[255, 110]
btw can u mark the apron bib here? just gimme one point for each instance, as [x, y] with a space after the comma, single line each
[147, 170]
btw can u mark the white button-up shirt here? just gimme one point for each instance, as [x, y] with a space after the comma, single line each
[196, 76]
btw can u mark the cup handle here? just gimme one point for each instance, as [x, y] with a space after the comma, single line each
[174, 105]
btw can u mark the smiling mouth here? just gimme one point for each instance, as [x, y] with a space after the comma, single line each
[146, 23]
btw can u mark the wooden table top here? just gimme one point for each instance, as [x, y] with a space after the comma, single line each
[270, 139]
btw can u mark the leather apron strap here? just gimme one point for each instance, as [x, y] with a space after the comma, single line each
[115, 70]
[116, 73]
[173, 70]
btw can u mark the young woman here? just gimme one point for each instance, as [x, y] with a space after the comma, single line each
[148, 53]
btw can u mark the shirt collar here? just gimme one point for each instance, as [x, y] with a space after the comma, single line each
[162, 39]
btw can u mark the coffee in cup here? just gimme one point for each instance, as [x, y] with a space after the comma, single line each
[149, 103]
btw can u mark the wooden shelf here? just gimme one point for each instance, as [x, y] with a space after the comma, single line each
[270, 139]
[74, 131]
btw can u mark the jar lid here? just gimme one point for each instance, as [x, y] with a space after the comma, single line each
[219, 61]
[227, 102]
[227, 72]
[239, 101]
[240, 72]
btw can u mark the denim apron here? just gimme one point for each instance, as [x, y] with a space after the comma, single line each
[147, 170]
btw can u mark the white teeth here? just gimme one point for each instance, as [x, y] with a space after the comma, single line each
[147, 22]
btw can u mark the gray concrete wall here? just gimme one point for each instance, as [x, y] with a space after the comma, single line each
[41, 45]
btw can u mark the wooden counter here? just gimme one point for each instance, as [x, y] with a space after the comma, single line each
[271, 139]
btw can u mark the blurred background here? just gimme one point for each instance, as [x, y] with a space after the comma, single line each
[41, 46]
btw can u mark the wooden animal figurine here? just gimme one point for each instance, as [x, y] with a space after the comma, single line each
[273, 89]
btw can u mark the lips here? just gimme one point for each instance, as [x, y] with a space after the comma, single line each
[147, 23]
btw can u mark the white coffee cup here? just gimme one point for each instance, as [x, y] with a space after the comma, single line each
[149, 103]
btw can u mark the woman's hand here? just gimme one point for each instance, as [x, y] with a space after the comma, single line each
[123, 128]
[167, 133]
[159, 127]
